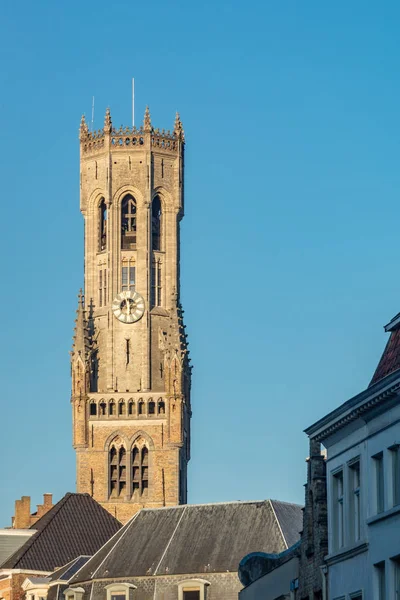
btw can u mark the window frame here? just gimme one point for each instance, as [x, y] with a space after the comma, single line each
[354, 479]
[72, 593]
[379, 482]
[338, 538]
[120, 589]
[195, 585]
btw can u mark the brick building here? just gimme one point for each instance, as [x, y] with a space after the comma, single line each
[130, 366]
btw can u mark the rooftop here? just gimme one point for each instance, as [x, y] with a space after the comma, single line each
[203, 538]
[77, 525]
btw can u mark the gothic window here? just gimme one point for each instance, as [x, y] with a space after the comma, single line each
[102, 225]
[140, 471]
[128, 277]
[151, 408]
[103, 409]
[128, 223]
[156, 223]
[161, 407]
[111, 408]
[93, 409]
[156, 289]
[141, 407]
[131, 407]
[117, 466]
[121, 408]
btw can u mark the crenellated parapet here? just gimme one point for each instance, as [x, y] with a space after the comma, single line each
[131, 138]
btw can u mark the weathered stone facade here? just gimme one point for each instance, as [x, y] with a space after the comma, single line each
[130, 365]
[314, 537]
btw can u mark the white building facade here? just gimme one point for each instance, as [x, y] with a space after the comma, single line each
[362, 439]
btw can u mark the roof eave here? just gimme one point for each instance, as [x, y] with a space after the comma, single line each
[350, 410]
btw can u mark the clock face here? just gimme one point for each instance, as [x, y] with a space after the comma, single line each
[128, 307]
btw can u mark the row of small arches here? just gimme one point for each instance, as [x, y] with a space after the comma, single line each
[123, 409]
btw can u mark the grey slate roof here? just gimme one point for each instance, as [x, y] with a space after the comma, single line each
[11, 540]
[77, 525]
[290, 519]
[193, 539]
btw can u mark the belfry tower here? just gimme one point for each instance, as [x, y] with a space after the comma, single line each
[129, 361]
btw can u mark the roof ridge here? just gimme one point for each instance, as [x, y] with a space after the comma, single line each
[279, 525]
[170, 540]
[128, 525]
[183, 506]
[285, 502]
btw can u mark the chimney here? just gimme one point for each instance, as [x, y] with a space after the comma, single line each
[48, 500]
[22, 519]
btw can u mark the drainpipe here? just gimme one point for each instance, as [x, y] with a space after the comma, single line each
[324, 571]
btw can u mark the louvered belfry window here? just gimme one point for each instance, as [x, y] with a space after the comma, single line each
[140, 471]
[117, 459]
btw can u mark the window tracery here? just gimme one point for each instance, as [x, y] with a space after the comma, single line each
[156, 223]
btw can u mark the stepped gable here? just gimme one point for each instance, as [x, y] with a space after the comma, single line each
[207, 538]
[390, 359]
[77, 525]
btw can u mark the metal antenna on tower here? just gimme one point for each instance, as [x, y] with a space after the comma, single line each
[133, 102]
[92, 112]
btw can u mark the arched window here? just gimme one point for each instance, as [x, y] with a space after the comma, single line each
[117, 466]
[128, 223]
[131, 408]
[151, 408]
[121, 408]
[111, 408]
[161, 407]
[141, 407]
[102, 225]
[93, 409]
[103, 408]
[156, 224]
[140, 471]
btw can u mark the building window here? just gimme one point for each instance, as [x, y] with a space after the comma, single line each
[151, 407]
[140, 471]
[117, 466]
[394, 451]
[380, 581]
[156, 223]
[128, 223]
[131, 407]
[192, 589]
[156, 289]
[121, 408]
[337, 506]
[355, 501]
[379, 482]
[93, 409]
[128, 278]
[102, 225]
[120, 591]
[161, 407]
[74, 593]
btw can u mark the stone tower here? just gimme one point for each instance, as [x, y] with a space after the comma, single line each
[129, 361]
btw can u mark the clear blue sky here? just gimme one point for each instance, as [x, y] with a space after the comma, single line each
[290, 245]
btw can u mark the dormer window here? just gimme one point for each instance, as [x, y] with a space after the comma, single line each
[74, 593]
[193, 589]
[120, 591]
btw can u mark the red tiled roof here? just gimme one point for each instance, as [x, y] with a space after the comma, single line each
[390, 360]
